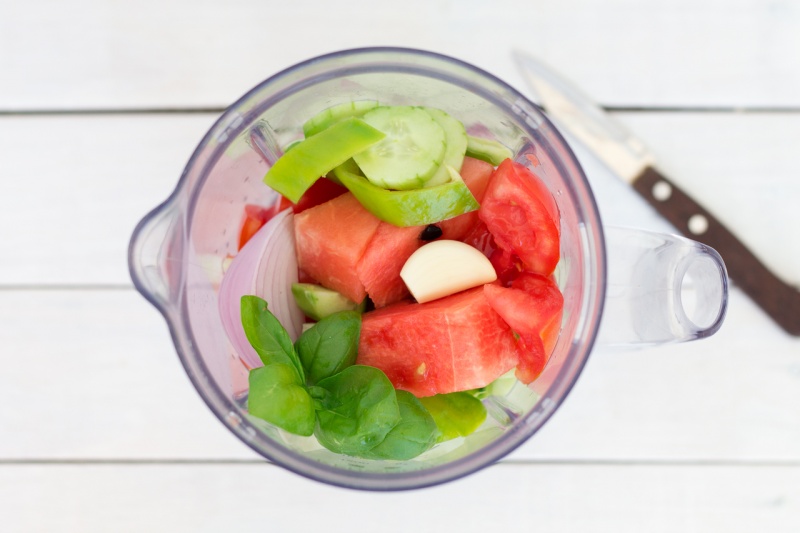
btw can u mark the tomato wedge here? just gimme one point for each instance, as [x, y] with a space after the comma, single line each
[255, 216]
[522, 216]
[319, 193]
[532, 307]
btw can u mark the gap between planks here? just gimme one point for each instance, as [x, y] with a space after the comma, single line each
[668, 463]
[221, 109]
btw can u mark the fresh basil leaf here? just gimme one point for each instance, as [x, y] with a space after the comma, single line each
[358, 412]
[267, 336]
[330, 345]
[456, 414]
[416, 432]
[319, 396]
[277, 396]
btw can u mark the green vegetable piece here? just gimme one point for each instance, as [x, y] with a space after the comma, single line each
[297, 170]
[457, 414]
[358, 410]
[415, 434]
[278, 397]
[455, 145]
[411, 152]
[329, 346]
[487, 150]
[291, 145]
[267, 336]
[317, 301]
[499, 387]
[410, 208]
[327, 117]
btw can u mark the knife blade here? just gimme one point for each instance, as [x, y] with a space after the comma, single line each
[628, 157]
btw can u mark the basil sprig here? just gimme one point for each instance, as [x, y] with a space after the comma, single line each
[414, 434]
[277, 396]
[330, 346]
[358, 411]
[267, 336]
[314, 387]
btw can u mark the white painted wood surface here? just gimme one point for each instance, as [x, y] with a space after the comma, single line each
[102, 431]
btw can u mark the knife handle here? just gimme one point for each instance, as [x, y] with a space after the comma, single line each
[778, 299]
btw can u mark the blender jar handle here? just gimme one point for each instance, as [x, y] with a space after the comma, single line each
[660, 288]
[155, 254]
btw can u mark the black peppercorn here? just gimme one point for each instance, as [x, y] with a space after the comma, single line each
[430, 233]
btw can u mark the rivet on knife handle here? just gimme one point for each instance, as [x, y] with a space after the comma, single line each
[780, 300]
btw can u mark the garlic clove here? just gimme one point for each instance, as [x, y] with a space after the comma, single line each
[445, 267]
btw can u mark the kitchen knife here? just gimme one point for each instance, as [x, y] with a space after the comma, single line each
[628, 158]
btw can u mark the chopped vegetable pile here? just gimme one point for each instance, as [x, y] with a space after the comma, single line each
[425, 261]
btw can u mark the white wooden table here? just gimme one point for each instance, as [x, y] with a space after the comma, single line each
[101, 103]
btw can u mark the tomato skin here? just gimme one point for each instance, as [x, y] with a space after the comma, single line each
[322, 191]
[532, 358]
[506, 265]
[255, 216]
[544, 294]
[522, 216]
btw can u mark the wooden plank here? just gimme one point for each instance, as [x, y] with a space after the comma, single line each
[93, 375]
[118, 167]
[73, 189]
[728, 397]
[88, 54]
[546, 497]
[739, 165]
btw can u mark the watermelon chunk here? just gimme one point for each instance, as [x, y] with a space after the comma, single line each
[345, 248]
[330, 240]
[451, 344]
[379, 268]
[476, 174]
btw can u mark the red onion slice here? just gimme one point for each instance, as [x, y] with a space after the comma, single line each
[266, 266]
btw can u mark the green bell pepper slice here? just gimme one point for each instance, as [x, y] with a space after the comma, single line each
[487, 150]
[297, 169]
[414, 207]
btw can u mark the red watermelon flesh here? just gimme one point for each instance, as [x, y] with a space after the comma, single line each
[476, 174]
[379, 268]
[344, 247]
[330, 240]
[452, 344]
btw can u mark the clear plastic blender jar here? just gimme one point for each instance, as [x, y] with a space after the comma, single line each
[638, 285]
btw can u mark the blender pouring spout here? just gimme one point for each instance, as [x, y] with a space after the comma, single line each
[155, 255]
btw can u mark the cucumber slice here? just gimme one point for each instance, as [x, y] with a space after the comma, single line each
[455, 145]
[487, 150]
[411, 152]
[317, 301]
[332, 115]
